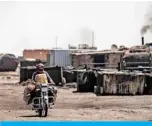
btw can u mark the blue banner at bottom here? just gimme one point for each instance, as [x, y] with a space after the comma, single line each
[74, 123]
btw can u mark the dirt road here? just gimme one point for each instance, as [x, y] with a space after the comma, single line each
[73, 106]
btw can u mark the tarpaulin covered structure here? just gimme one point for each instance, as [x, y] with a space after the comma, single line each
[8, 62]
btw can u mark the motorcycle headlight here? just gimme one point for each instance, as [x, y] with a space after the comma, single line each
[44, 93]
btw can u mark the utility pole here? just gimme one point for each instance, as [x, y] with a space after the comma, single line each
[56, 41]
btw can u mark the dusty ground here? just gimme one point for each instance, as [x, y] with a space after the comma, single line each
[73, 106]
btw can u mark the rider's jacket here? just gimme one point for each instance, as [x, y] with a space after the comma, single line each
[42, 77]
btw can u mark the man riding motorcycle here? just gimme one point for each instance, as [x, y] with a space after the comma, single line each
[40, 76]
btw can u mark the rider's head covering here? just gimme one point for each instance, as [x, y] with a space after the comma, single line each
[40, 67]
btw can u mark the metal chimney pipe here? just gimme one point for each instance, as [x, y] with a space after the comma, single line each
[142, 40]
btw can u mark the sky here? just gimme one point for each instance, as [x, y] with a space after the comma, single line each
[35, 25]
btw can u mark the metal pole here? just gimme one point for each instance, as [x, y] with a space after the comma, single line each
[92, 39]
[56, 40]
[142, 40]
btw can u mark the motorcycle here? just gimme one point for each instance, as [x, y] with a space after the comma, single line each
[44, 99]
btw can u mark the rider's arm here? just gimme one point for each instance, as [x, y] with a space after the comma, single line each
[33, 76]
[49, 78]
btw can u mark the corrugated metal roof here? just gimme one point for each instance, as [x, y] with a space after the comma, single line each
[98, 52]
[72, 50]
[122, 72]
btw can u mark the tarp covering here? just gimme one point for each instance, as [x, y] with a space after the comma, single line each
[86, 81]
[8, 62]
[141, 58]
[123, 83]
[26, 63]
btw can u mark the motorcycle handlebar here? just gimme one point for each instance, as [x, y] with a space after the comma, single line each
[51, 84]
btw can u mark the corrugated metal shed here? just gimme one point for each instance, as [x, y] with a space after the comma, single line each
[59, 57]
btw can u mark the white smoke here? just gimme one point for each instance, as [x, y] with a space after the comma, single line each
[85, 36]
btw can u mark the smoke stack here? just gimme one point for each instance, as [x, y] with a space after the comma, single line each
[142, 40]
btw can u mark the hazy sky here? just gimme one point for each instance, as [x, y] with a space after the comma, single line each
[35, 24]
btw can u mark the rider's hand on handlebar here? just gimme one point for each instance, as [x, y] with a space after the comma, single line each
[51, 84]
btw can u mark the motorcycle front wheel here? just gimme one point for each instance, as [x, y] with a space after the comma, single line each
[43, 112]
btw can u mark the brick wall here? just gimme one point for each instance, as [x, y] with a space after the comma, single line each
[35, 54]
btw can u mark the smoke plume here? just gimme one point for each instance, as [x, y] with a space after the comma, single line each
[145, 28]
[85, 36]
[148, 21]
